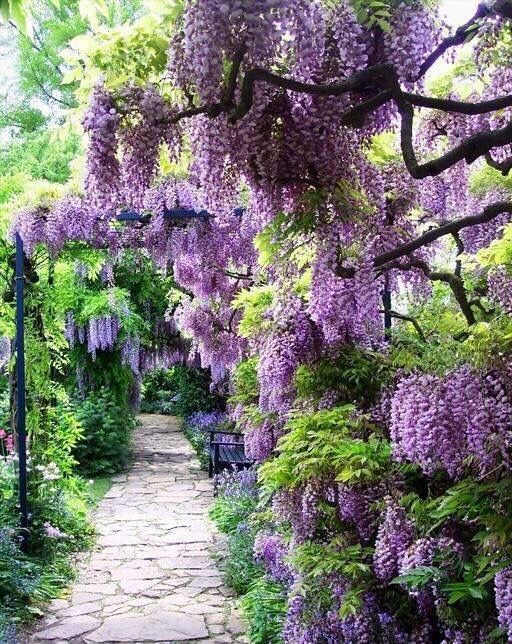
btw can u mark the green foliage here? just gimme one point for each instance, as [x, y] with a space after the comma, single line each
[486, 178]
[499, 252]
[228, 512]
[483, 507]
[18, 11]
[130, 52]
[316, 560]
[264, 606]
[443, 327]
[254, 303]
[59, 432]
[36, 155]
[238, 566]
[355, 375]
[383, 149]
[245, 383]
[21, 116]
[12, 185]
[179, 391]
[200, 443]
[58, 527]
[327, 443]
[373, 13]
[232, 515]
[461, 78]
[107, 428]
[97, 489]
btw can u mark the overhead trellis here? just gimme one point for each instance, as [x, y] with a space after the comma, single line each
[20, 417]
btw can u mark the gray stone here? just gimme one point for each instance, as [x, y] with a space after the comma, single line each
[235, 624]
[136, 586]
[83, 598]
[99, 589]
[58, 604]
[118, 540]
[185, 563]
[156, 627]
[69, 628]
[80, 609]
[128, 573]
[205, 582]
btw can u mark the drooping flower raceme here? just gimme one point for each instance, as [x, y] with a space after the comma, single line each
[503, 593]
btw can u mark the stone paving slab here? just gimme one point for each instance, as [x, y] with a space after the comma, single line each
[151, 577]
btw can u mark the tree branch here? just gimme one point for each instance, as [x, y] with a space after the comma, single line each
[488, 214]
[457, 39]
[455, 283]
[459, 107]
[502, 166]
[407, 318]
[460, 250]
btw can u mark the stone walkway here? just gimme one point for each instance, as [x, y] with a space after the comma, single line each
[151, 577]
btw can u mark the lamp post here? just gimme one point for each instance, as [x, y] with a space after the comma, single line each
[21, 429]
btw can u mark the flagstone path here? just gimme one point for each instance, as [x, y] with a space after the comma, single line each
[151, 577]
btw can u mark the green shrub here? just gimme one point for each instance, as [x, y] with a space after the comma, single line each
[107, 429]
[179, 391]
[236, 502]
[264, 607]
[239, 566]
[229, 512]
[58, 527]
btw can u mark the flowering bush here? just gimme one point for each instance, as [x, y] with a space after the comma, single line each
[196, 428]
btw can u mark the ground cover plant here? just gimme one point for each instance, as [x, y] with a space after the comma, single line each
[197, 428]
[349, 292]
[235, 512]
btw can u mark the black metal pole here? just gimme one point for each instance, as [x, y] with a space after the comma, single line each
[21, 429]
[386, 300]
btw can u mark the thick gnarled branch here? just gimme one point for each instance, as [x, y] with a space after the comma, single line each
[455, 283]
[453, 227]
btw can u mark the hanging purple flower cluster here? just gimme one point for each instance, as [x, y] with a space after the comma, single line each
[141, 141]
[271, 550]
[345, 309]
[70, 329]
[291, 341]
[100, 334]
[260, 440]
[5, 351]
[153, 358]
[355, 507]
[394, 537]
[130, 353]
[101, 121]
[440, 422]
[500, 288]
[412, 36]
[503, 593]
[300, 507]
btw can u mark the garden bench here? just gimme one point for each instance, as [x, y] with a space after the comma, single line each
[225, 454]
